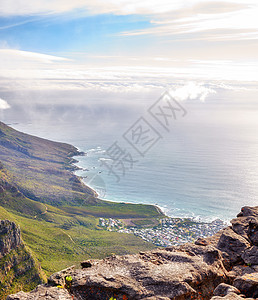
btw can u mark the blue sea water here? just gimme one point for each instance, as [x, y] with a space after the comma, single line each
[205, 166]
[201, 174]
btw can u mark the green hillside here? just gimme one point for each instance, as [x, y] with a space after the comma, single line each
[42, 171]
[58, 215]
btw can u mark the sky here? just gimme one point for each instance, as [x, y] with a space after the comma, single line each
[122, 45]
[88, 69]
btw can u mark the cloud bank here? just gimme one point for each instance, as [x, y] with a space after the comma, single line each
[216, 20]
[192, 91]
[121, 7]
[4, 104]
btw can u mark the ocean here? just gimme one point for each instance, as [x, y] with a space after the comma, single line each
[203, 164]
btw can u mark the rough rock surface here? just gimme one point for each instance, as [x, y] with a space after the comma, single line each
[230, 296]
[221, 267]
[224, 289]
[175, 273]
[247, 284]
[17, 266]
[250, 255]
[41, 292]
[10, 237]
[233, 245]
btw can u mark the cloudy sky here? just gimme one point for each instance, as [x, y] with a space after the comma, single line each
[86, 70]
[123, 45]
[164, 31]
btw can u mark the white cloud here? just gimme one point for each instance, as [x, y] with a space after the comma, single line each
[4, 104]
[121, 7]
[19, 55]
[21, 71]
[214, 19]
[14, 25]
[191, 91]
[28, 65]
[237, 23]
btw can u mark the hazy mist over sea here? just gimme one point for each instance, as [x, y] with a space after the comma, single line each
[204, 166]
[91, 73]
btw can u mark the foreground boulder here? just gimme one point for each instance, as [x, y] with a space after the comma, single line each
[248, 284]
[221, 267]
[41, 292]
[175, 273]
[230, 296]
[224, 289]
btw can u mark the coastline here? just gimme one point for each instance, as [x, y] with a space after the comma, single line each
[77, 167]
[74, 164]
[161, 210]
[89, 167]
[172, 201]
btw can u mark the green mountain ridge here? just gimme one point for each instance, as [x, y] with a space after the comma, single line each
[58, 215]
[42, 171]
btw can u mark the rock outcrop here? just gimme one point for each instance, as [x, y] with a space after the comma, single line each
[224, 266]
[40, 293]
[18, 269]
[10, 237]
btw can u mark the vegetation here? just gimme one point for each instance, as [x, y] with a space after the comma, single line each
[41, 170]
[58, 214]
[68, 282]
[60, 239]
[19, 261]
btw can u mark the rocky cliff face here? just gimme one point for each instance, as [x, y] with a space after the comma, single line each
[224, 266]
[18, 269]
[10, 237]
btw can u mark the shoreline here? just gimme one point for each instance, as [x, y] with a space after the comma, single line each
[75, 168]
[161, 210]
[78, 168]
[75, 165]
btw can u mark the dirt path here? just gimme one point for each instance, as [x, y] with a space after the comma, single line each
[69, 236]
[43, 213]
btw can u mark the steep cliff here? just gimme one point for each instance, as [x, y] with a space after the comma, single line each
[10, 237]
[224, 266]
[18, 269]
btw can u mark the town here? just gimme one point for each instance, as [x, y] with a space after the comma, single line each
[169, 231]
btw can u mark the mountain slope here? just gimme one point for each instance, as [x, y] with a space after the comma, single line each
[42, 171]
[41, 168]
[35, 173]
[18, 269]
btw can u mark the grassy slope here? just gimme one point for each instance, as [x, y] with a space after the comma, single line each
[59, 239]
[19, 269]
[37, 173]
[41, 170]
[25, 273]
